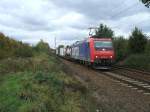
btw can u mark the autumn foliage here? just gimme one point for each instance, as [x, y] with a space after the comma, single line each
[12, 48]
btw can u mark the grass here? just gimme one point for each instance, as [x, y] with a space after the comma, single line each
[39, 84]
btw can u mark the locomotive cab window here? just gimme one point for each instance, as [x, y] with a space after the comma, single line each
[102, 44]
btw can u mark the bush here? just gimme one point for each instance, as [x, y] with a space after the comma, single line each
[41, 62]
[15, 65]
[24, 50]
[141, 61]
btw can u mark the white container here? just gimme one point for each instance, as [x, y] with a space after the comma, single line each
[75, 52]
[61, 51]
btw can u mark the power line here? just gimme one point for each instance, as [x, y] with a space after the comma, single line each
[124, 1]
[138, 23]
[121, 12]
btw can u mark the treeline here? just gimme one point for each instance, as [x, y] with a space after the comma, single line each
[137, 43]
[13, 48]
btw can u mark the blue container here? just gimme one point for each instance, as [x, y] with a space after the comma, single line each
[84, 51]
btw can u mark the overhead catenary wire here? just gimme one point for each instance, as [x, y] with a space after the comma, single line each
[117, 8]
[122, 12]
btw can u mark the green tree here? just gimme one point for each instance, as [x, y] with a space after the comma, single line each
[137, 41]
[42, 47]
[121, 47]
[147, 50]
[146, 2]
[104, 31]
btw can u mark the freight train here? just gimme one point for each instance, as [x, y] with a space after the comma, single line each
[93, 51]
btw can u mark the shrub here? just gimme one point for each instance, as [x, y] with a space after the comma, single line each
[24, 50]
[138, 61]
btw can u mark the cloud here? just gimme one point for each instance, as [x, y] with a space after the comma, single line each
[67, 20]
[100, 9]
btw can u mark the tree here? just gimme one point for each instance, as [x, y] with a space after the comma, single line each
[104, 31]
[147, 49]
[137, 41]
[13, 48]
[121, 47]
[146, 2]
[42, 47]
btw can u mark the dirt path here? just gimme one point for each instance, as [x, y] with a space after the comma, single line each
[110, 95]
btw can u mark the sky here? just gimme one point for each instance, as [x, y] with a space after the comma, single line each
[68, 20]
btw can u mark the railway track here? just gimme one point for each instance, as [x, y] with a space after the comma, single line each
[136, 79]
[131, 69]
[132, 73]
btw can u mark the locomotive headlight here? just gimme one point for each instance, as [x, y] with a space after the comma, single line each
[96, 56]
[111, 56]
